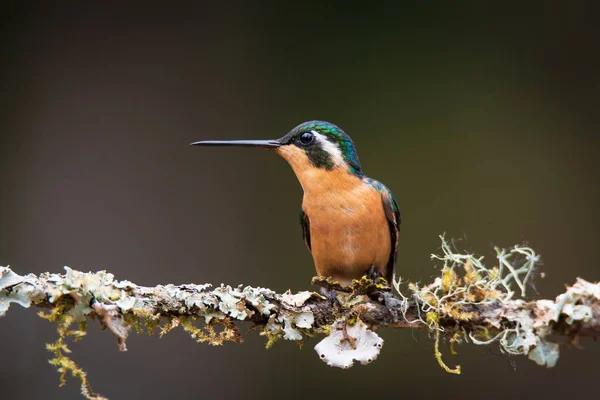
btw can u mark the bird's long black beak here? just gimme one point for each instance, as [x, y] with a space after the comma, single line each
[268, 144]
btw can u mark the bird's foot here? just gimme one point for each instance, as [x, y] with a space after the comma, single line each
[373, 274]
[372, 283]
[326, 282]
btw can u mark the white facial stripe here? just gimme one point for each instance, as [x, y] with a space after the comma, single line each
[330, 147]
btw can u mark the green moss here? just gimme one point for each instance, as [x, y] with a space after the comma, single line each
[271, 338]
[438, 356]
[449, 279]
[432, 319]
[65, 365]
[330, 284]
[207, 333]
[133, 321]
[151, 324]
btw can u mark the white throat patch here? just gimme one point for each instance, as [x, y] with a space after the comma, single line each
[331, 148]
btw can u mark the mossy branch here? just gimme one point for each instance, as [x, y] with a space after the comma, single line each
[467, 302]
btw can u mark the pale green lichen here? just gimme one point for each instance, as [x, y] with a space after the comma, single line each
[60, 315]
[291, 322]
[469, 300]
[12, 290]
[337, 351]
[125, 302]
[119, 305]
[299, 299]
[467, 282]
[294, 320]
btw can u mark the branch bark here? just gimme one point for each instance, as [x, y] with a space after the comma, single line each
[122, 304]
[467, 303]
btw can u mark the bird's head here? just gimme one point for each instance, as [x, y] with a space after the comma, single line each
[319, 144]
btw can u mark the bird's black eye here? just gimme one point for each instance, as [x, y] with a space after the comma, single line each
[306, 138]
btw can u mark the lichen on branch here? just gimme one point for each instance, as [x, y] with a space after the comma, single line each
[467, 302]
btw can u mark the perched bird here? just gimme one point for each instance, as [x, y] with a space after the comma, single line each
[350, 222]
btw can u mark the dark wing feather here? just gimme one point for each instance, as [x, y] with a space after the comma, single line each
[305, 223]
[392, 214]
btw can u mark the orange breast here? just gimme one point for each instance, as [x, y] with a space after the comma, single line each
[348, 229]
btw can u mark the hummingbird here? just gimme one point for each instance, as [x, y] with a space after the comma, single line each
[350, 223]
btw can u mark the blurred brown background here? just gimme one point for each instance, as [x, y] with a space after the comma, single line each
[482, 120]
